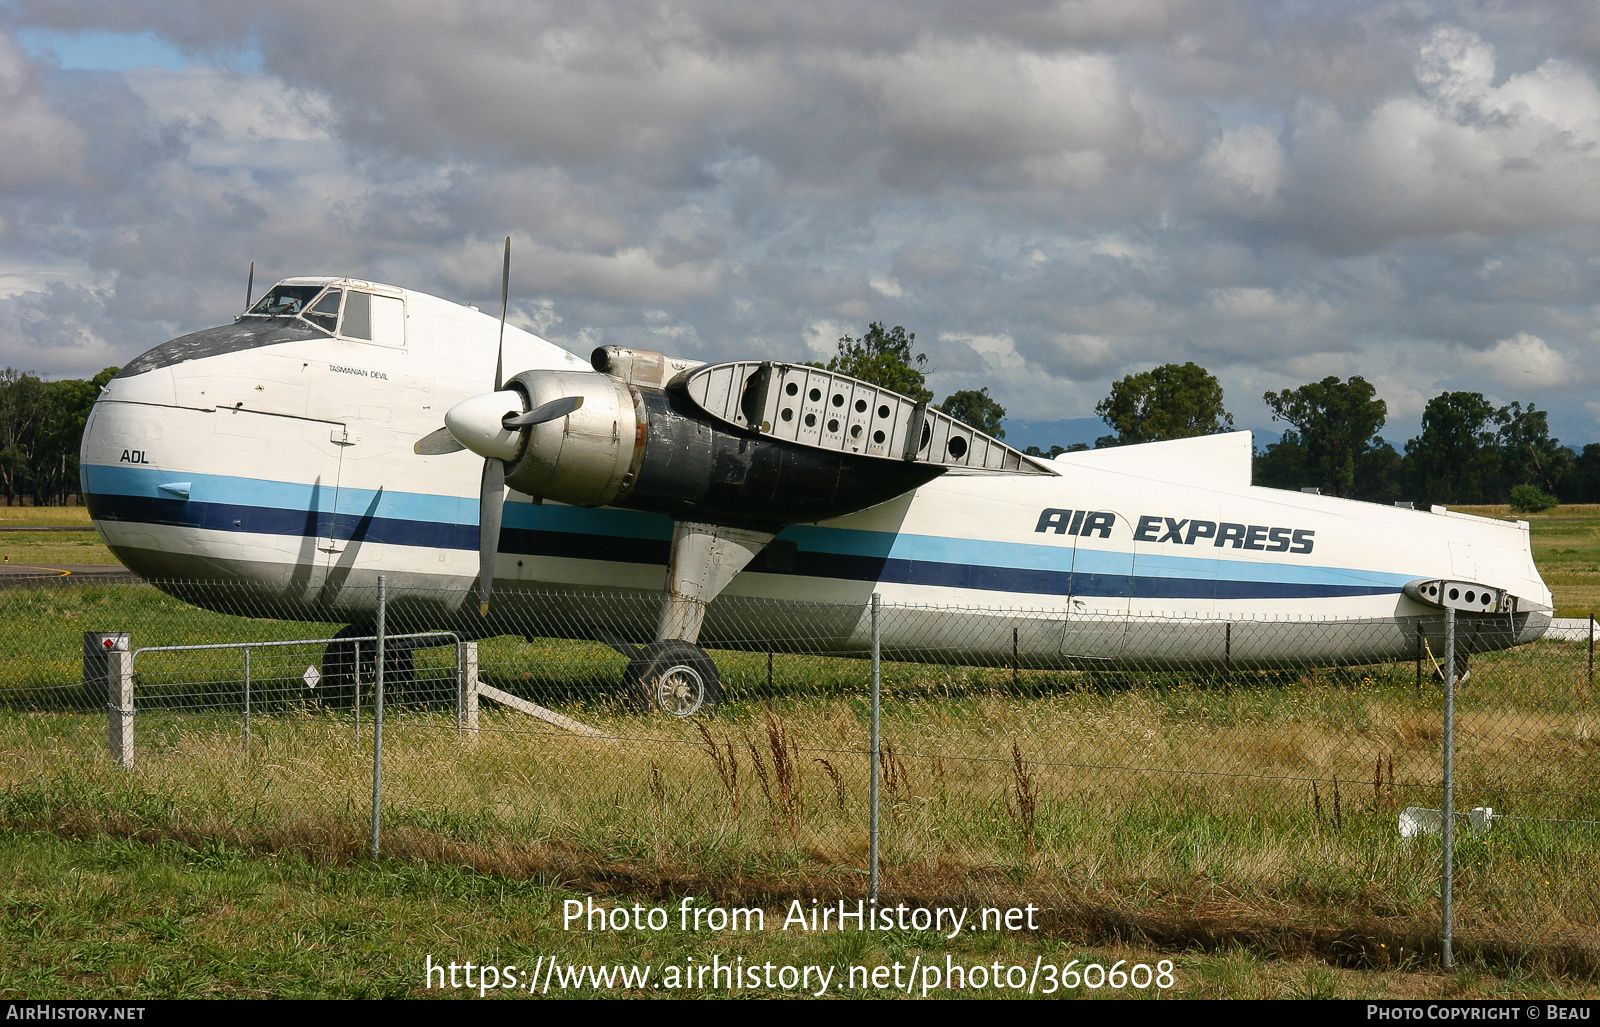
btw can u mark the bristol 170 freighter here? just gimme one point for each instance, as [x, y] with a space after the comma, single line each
[342, 429]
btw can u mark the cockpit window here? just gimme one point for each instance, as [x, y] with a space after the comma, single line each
[358, 317]
[286, 301]
[325, 314]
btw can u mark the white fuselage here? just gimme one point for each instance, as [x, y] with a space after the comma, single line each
[289, 467]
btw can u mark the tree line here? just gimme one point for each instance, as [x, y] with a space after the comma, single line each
[41, 427]
[1468, 452]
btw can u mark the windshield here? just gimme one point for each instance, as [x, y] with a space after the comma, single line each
[325, 314]
[285, 300]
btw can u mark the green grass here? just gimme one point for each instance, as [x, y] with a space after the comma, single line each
[1175, 810]
[1267, 865]
[53, 548]
[19, 515]
[1566, 547]
[117, 918]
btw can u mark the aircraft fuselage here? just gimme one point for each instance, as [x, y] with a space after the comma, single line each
[278, 458]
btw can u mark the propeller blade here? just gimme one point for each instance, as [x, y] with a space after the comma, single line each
[505, 295]
[556, 408]
[491, 505]
[437, 443]
[250, 286]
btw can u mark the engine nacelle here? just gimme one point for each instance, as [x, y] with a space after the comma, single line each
[587, 458]
[656, 449]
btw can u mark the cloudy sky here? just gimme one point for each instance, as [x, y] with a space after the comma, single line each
[1050, 193]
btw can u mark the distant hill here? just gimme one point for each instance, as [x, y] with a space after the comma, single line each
[1073, 430]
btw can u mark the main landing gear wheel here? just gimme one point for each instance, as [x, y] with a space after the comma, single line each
[337, 689]
[1463, 669]
[675, 677]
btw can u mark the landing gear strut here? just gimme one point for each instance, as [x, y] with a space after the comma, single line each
[673, 676]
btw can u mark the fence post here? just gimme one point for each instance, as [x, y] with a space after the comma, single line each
[467, 689]
[247, 700]
[1419, 658]
[377, 722]
[119, 706]
[1447, 890]
[872, 798]
[1591, 652]
[1227, 659]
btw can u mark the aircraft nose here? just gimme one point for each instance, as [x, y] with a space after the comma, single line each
[476, 424]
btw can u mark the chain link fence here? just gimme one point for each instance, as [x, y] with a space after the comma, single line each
[1259, 778]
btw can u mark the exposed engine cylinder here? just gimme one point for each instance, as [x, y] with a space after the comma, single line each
[586, 458]
[640, 366]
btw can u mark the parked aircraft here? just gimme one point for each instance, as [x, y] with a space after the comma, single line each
[340, 429]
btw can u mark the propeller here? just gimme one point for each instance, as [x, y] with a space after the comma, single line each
[491, 507]
[492, 488]
[505, 295]
[491, 426]
[556, 408]
[437, 443]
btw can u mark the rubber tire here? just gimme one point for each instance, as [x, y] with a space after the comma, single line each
[674, 677]
[1463, 670]
[336, 690]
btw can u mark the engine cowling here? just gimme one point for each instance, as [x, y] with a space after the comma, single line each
[655, 449]
[586, 458]
[669, 448]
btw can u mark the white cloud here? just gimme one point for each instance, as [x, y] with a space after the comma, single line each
[1246, 166]
[1088, 353]
[1526, 361]
[1459, 155]
[999, 352]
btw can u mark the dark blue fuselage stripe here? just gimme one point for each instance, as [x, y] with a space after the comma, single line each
[621, 549]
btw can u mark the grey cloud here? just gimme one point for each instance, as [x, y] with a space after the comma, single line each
[39, 147]
[1051, 194]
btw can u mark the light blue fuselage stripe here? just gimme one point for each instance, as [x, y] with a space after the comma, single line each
[456, 510]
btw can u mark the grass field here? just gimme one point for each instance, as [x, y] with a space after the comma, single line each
[51, 547]
[1247, 833]
[117, 917]
[22, 515]
[1566, 546]
[1277, 832]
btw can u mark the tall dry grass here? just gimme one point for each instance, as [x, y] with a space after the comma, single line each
[1268, 807]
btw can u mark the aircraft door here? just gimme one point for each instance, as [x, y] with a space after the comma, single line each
[1175, 575]
[354, 507]
[328, 440]
[290, 467]
[1102, 583]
